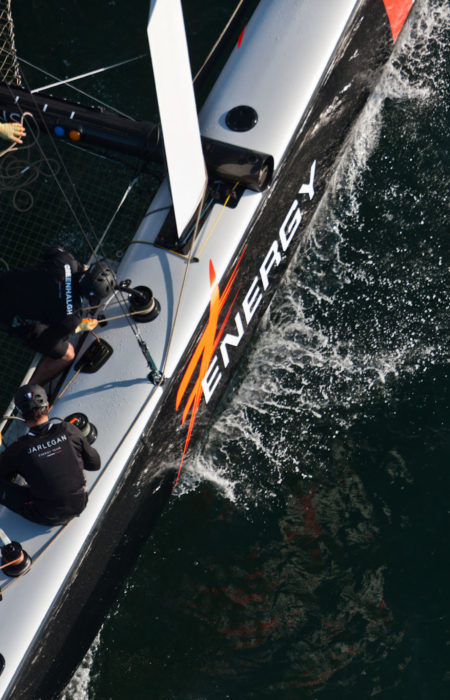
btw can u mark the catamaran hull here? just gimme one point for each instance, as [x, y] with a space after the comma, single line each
[251, 278]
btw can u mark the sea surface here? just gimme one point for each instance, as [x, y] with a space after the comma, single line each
[305, 553]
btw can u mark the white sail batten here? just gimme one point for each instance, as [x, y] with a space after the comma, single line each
[177, 108]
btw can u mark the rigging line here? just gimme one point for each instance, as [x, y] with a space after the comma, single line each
[129, 316]
[107, 319]
[67, 81]
[169, 250]
[94, 251]
[225, 29]
[143, 347]
[155, 211]
[123, 315]
[119, 206]
[67, 386]
[73, 87]
[54, 174]
[132, 324]
[98, 242]
[159, 374]
[98, 479]
[121, 302]
[208, 236]
[183, 242]
[103, 305]
[61, 189]
[97, 154]
[135, 330]
[90, 151]
[183, 284]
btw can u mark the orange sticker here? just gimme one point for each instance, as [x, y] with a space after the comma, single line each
[205, 350]
[397, 11]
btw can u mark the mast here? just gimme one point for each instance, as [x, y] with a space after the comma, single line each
[177, 108]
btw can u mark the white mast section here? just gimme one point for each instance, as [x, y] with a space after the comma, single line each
[177, 108]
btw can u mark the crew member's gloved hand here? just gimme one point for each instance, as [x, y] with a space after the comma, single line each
[87, 324]
[12, 131]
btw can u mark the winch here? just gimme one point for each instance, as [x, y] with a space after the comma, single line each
[15, 561]
[141, 300]
[82, 422]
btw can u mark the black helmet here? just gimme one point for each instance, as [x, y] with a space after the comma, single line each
[98, 281]
[28, 397]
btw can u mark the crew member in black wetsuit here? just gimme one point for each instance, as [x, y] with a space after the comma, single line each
[42, 306]
[51, 458]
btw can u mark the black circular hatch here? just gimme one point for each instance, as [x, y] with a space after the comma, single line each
[241, 118]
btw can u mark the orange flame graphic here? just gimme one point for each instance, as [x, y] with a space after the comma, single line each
[205, 350]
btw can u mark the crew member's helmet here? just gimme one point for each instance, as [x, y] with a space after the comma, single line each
[29, 397]
[97, 282]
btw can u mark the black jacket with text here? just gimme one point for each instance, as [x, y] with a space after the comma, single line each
[46, 294]
[51, 458]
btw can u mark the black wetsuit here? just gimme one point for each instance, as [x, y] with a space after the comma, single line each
[51, 458]
[42, 305]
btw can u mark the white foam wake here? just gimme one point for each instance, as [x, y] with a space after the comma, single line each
[303, 369]
[78, 688]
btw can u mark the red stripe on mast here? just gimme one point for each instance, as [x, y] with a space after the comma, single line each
[397, 11]
[241, 36]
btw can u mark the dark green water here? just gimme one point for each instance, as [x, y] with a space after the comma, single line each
[305, 554]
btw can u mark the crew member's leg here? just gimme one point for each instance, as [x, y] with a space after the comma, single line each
[58, 352]
[18, 498]
[14, 496]
[50, 367]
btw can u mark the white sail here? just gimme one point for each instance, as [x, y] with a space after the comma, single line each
[177, 108]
